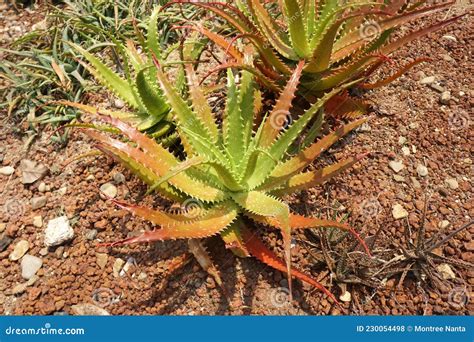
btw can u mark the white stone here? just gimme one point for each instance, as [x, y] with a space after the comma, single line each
[117, 267]
[38, 221]
[396, 166]
[405, 151]
[38, 202]
[402, 140]
[7, 170]
[452, 183]
[446, 271]
[42, 187]
[428, 80]
[422, 170]
[20, 249]
[399, 212]
[109, 190]
[58, 231]
[346, 297]
[30, 265]
[443, 224]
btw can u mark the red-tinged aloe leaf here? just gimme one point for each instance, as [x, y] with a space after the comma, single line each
[269, 57]
[148, 145]
[258, 249]
[310, 179]
[393, 77]
[181, 181]
[307, 156]
[342, 106]
[389, 48]
[181, 167]
[271, 30]
[145, 174]
[200, 105]
[216, 220]
[160, 217]
[220, 41]
[279, 115]
[342, 74]
[353, 41]
[262, 204]
[304, 222]
[259, 76]
[237, 19]
[233, 239]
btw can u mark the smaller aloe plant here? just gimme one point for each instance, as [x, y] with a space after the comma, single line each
[340, 41]
[235, 174]
[139, 86]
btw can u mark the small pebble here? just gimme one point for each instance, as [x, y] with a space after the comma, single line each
[443, 224]
[19, 250]
[399, 179]
[405, 151]
[396, 166]
[101, 259]
[402, 140]
[7, 170]
[446, 271]
[30, 265]
[437, 87]
[109, 190]
[422, 170]
[58, 231]
[119, 178]
[445, 97]
[117, 267]
[38, 202]
[90, 234]
[452, 183]
[38, 221]
[399, 212]
[428, 80]
[42, 187]
[119, 104]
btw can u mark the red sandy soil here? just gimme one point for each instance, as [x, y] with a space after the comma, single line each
[439, 134]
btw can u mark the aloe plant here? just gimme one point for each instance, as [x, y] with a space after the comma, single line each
[339, 41]
[235, 174]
